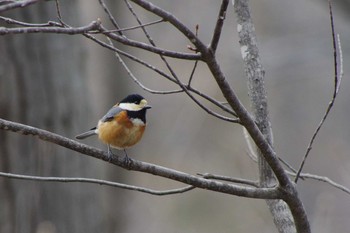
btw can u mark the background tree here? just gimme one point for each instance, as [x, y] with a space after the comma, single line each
[252, 66]
[43, 83]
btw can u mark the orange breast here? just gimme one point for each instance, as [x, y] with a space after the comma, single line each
[120, 133]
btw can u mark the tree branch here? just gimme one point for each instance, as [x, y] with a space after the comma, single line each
[71, 31]
[218, 27]
[174, 21]
[97, 181]
[25, 24]
[17, 4]
[144, 46]
[229, 179]
[258, 193]
[110, 16]
[289, 216]
[323, 179]
[137, 81]
[337, 81]
[137, 26]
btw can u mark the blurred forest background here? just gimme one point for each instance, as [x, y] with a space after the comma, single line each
[64, 84]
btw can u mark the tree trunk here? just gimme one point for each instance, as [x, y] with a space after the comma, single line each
[255, 73]
[43, 83]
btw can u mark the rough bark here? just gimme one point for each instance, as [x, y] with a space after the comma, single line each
[258, 98]
[42, 83]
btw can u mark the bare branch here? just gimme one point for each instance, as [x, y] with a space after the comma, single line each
[192, 73]
[71, 31]
[144, 46]
[142, 27]
[136, 27]
[131, 57]
[196, 62]
[58, 11]
[229, 179]
[337, 81]
[17, 4]
[12, 21]
[209, 111]
[97, 181]
[111, 17]
[174, 21]
[259, 193]
[136, 80]
[218, 27]
[323, 179]
[213, 101]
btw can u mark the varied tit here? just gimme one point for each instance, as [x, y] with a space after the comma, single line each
[123, 125]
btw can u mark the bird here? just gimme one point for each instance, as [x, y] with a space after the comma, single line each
[122, 126]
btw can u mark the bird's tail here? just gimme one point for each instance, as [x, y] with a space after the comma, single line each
[86, 134]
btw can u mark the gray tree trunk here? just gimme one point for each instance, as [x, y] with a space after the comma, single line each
[43, 83]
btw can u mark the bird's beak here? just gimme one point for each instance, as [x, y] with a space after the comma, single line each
[148, 107]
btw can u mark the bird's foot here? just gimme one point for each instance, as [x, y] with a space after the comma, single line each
[127, 161]
[110, 154]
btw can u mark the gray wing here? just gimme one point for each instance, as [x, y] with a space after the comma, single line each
[110, 114]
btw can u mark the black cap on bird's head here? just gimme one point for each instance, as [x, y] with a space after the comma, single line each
[134, 102]
[132, 99]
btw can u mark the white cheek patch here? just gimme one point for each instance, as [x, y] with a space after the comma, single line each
[129, 106]
[137, 122]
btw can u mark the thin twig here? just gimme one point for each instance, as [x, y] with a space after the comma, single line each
[229, 179]
[97, 181]
[58, 11]
[140, 23]
[323, 179]
[136, 80]
[213, 101]
[167, 16]
[136, 27]
[110, 16]
[17, 4]
[192, 73]
[218, 27]
[150, 48]
[195, 63]
[209, 111]
[25, 24]
[337, 81]
[131, 57]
